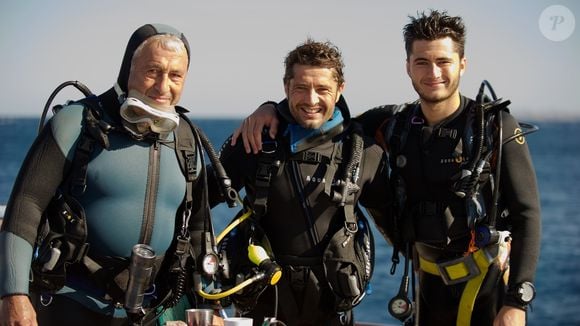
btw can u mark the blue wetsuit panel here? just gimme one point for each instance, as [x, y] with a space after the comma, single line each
[116, 187]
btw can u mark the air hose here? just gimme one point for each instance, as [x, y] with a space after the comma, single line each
[232, 225]
[77, 84]
[350, 176]
[257, 255]
[225, 183]
[221, 295]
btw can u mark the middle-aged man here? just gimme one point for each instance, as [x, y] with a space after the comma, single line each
[451, 205]
[304, 189]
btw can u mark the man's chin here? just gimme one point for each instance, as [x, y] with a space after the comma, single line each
[434, 98]
[310, 124]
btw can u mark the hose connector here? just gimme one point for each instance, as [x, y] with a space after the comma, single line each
[258, 256]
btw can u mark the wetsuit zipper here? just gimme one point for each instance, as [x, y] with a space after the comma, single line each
[150, 194]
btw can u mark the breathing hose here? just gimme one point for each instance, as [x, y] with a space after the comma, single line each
[225, 183]
[233, 290]
[232, 225]
[77, 84]
[256, 254]
[348, 182]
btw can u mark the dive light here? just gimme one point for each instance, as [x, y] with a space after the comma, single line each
[140, 272]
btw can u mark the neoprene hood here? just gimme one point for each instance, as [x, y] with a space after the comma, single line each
[139, 36]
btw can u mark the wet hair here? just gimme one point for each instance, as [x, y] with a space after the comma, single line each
[433, 26]
[318, 54]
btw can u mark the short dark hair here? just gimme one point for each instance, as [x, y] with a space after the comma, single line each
[434, 26]
[318, 54]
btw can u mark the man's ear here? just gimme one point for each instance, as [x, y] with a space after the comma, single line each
[287, 88]
[339, 92]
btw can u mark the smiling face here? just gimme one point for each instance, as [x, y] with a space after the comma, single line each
[435, 69]
[159, 72]
[312, 93]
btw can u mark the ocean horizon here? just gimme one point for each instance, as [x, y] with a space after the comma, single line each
[555, 152]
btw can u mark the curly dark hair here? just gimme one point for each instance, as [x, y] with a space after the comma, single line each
[318, 54]
[434, 26]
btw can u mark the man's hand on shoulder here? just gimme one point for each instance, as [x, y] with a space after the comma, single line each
[252, 126]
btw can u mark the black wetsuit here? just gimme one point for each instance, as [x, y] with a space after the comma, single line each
[297, 242]
[436, 217]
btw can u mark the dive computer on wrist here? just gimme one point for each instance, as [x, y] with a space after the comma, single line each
[525, 292]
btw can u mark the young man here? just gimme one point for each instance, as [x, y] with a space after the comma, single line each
[446, 157]
[115, 159]
[314, 182]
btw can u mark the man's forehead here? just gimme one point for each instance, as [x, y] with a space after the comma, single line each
[444, 47]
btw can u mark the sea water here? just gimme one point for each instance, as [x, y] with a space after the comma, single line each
[556, 156]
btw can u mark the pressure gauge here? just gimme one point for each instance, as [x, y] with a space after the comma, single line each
[400, 307]
[210, 264]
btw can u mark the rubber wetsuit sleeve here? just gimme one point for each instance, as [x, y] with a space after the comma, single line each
[239, 166]
[520, 194]
[374, 118]
[376, 197]
[13, 270]
[39, 177]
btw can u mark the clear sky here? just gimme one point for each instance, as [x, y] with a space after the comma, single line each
[238, 47]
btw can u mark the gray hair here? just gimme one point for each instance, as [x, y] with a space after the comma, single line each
[165, 41]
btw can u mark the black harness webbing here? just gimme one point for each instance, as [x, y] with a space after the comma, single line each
[268, 166]
[94, 132]
[269, 163]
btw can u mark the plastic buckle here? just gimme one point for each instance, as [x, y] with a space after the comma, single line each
[263, 174]
[312, 157]
[467, 266]
[269, 146]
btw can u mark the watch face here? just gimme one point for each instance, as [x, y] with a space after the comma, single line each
[527, 292]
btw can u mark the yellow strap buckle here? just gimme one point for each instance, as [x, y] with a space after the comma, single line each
[458, 270]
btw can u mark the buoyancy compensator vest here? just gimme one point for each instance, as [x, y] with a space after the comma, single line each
[61, 242]
[348, 260]
[475, 186]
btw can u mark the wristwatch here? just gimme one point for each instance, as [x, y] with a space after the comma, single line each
[525, 292]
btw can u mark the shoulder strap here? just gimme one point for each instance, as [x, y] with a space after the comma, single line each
[395, 139]
[397, 131]
[93, 131]
[268, 166]
[187, 154]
